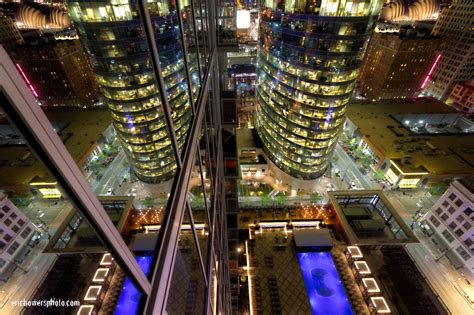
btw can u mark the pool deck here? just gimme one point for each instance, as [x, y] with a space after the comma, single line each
[277, 281]
[276, 276]
[350, 286]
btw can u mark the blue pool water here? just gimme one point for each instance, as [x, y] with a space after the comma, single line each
[130, 296]
[325, 289]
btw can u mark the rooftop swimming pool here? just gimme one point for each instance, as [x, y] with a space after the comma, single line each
[323, 285]
[130, 296]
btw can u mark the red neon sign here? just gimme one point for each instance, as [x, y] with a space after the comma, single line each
[431, 71]
[26, 79]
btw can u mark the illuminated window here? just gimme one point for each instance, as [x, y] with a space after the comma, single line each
[409, 182]
[49, 193]
[243, 19]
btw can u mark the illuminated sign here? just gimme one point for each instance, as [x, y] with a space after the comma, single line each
[391, 176]
[26, 79]
[408, 182]
[243, 18]
[431, 71]
[50, 193]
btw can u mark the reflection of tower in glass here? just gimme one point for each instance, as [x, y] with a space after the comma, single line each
[307, 66]
[113, 34]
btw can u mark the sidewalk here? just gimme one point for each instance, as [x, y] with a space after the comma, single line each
[445, 280]
[466, 290]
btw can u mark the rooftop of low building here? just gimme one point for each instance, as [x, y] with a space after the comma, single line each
[422, 132]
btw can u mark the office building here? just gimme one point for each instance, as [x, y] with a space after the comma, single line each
[114, 37]
[396, 64]
[17, 232]
[58, 72]
[456, 63]
[412, 142]
[308, 62]
[462, 98]
[9, 33]
[450, 223]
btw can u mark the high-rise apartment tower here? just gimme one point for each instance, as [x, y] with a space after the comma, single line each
[307, 66]
[113, 33]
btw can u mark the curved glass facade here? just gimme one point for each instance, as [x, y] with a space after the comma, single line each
[112, 32]
[308, 62]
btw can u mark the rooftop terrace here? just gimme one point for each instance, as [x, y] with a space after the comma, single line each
[366, 217]
[77, 131]
[436, 146]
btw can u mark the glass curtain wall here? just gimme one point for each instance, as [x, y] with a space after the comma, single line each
[307, 66]
[164, 244]
[113, 34]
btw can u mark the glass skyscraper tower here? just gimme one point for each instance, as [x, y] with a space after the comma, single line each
[112, 32]
[160, 79]
[308, 61]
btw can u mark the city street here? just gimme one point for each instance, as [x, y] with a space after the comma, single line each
[21, 286]
[350, 172]
[51, 214]
[112, 175]
[443, 278]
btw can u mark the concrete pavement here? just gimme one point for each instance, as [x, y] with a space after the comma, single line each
[22, 285]
[350, 171]
[442, 277]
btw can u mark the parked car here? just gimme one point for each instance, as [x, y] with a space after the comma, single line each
[363, 170]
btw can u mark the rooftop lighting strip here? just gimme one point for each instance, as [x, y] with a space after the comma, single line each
[248, 277]
[305, 223]
[385, 308]
[157, 227]
[362, 264]
[26, 79]
[104, 259]
[400, 170]
[98, 277]
[86, 308]
[357, 249]
[431, 71]
[215, 288]
[272, 224]
[90, 291]
[366, 284]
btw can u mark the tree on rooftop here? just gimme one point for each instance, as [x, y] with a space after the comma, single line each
[316, 197]
[359, 151]
[198, 202]
[379, 175]
[366, 161]
[266, 200]
[281, 199]
[148, 201]
[20, 200]
[352, 144]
